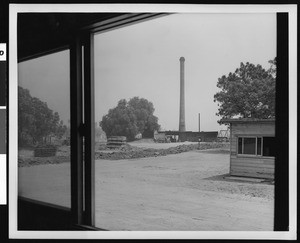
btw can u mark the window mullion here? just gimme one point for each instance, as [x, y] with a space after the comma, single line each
[89, 183]
[76, 132]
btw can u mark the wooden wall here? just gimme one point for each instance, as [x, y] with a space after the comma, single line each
[248, 165]
[252, 167]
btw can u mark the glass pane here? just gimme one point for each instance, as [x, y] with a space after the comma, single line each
[44, 129]
[258, 146]
[249, 145]
[268, 146]
[139, 184]
[240, 146]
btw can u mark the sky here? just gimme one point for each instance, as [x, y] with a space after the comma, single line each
[143, 60]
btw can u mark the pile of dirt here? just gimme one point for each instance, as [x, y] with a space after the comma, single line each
[132, 152]
[26, 157]
[124, 152]
[31, 161]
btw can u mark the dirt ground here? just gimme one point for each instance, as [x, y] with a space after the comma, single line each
[185, 191]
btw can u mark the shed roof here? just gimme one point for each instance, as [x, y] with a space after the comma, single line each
[247, 120]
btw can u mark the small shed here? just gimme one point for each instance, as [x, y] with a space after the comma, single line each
[252, 147]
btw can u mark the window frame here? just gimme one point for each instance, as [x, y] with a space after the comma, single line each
[82, 84]
[256, 139]
[82, 161]
[24, 198]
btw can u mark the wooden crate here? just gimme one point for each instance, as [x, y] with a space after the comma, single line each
[116, 141]
[45, 151]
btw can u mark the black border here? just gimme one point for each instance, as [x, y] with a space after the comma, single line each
[282, 126]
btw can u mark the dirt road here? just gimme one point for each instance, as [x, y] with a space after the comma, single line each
[179, 192]
[183, 191]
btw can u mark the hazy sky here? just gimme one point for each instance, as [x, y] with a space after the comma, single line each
[143, 60]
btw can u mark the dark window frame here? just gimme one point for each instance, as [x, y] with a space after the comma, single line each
[82, 114]
[82, 117]
[256, 154]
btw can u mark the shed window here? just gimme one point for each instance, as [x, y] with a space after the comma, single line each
[269, 146]
[249, 145]
[260, 146]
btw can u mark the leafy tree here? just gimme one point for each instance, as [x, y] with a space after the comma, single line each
[143, 110]
[36, 121]
[130, 118]
[249, 92]
[120, 121]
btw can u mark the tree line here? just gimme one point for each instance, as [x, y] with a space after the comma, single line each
[37, 123]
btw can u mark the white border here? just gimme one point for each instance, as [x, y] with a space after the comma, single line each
[150, 8]
[3, 199]
[293, 120]
[13, 74]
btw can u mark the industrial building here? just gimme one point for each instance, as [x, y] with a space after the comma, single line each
[176, 136]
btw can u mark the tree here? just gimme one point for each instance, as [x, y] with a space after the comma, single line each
[130, 118]
[36, 121]
[143, 110]
[249, 92]
[120, 121]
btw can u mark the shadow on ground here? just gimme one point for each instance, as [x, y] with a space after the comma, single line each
[229, 178]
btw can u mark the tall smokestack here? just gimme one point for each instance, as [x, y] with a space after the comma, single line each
[182, 109]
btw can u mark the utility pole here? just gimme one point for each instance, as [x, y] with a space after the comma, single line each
[199, 139]
[182, 104]
[199, 121]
